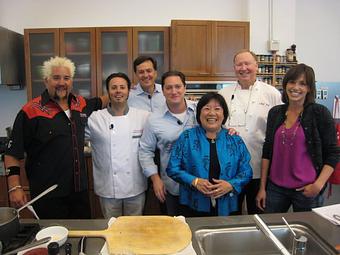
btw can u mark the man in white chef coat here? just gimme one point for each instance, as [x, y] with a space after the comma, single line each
[249, 102]
[114, 133]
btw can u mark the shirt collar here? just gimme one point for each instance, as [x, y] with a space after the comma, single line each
[45, 98]
[218, 135]
[126, 110]
[250, 87]
[191, 106]
[139, 89]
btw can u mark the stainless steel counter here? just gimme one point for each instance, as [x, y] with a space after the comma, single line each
[329, 232]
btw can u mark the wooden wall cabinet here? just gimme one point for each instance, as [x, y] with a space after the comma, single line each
[96, 52]
[204, 50]
[77, 44]
[117, 47]
[154, 42]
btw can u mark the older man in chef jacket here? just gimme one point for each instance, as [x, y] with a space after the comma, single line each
[249, 102]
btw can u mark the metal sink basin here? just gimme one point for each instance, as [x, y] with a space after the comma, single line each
[248, 240]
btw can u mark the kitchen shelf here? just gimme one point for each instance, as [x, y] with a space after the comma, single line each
[42, 54]
[86, 53]
[114, 53]
[152, 52]
[272, 72]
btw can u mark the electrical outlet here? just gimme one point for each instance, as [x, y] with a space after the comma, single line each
[273, 45]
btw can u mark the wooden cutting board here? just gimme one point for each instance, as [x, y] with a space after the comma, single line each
[143, 235]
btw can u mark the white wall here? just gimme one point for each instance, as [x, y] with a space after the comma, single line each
[313, 25]
[318, 37]
[19, 14]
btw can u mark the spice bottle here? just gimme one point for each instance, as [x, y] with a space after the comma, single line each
[68, 248]
[53, 248]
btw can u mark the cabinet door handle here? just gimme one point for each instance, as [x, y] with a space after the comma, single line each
[219, 73]
[203, 73]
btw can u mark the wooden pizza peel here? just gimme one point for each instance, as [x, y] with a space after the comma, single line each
[142, 235]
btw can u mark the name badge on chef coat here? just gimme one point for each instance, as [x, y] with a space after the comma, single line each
[137, 134]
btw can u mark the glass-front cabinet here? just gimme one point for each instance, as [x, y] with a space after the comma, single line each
[154, 42]
[96, 52]
[40, 45]
[79, 46]
[114, 54]
[117, 48]
[76, 44]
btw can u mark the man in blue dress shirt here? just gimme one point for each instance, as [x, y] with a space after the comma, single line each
[147, 95]
[160, 131]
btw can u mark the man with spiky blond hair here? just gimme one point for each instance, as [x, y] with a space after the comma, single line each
[49, 133]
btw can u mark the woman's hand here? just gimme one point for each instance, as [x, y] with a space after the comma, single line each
[220, 188]
[17, 198]
[261, 199]
[203, 185]
[310, 190]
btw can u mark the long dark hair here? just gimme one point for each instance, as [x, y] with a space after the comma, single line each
[293, 74]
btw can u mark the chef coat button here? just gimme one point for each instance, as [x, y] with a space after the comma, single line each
[114, 173]
[76, 161]
[69, 124]
[50, 132]
[128, 172]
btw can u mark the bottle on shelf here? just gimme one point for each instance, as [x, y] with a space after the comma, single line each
[272, 68]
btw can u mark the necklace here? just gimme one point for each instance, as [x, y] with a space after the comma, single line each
[235, 119]
[285, 137]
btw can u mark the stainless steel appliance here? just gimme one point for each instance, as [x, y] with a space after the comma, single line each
[196, 89]
[12, 60]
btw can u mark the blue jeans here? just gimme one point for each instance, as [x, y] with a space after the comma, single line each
[279, 199]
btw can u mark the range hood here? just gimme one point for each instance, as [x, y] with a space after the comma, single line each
[12, 60]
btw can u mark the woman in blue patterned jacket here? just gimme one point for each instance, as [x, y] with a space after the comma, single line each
[211, 165]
